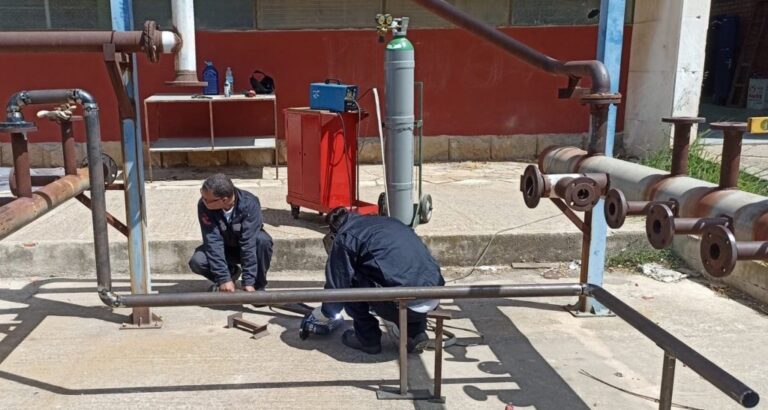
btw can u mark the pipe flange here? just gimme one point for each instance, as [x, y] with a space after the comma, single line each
[601, 98]
[582, 194]
[615, 208]
[17, 127]
[532, 186]
[718, 251]
[149, 41]
[109, 166]
[660, 226]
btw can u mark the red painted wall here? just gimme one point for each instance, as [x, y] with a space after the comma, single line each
[471, 87]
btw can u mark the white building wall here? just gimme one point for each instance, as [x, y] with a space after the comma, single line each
[666, 69]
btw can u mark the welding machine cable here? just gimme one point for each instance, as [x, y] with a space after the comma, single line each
[381, 140]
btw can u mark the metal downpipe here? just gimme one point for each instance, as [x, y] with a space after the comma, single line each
[601, 83]
[95, 170]
[718, 377]
[600, 96]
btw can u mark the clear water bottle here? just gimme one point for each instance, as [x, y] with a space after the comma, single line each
[229, 83]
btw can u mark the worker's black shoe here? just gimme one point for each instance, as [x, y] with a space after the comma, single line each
[349, 338]
[259, 305]
[418, 343]
[235, 273]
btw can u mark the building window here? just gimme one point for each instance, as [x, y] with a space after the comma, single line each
[294, 14]
[55, 15]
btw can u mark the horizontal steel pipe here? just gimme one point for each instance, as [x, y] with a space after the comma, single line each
[347, 295]
[710, 371]
[718, 377]
[661, 225]
[148, 41]
[696, 198]
[617, 208]
[22, 211]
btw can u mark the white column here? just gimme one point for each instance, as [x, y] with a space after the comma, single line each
[666, 69]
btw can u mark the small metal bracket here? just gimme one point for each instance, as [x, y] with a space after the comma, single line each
[141, 318]
[575, 310]
[236, 321]
[393, 393]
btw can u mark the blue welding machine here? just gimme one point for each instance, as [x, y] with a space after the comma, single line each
[332, 95]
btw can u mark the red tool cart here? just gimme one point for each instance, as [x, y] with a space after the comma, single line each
[322, 161]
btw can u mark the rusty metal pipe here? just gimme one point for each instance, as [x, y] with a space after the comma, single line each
[68, 148]
[661, 225]
[696, 198]
[22, 211]
[617, 208]
[600, 96]
[731, 158]
[22, 178]
[579, 191]
[681, 142]
[150, 41]
[37, 181]
[720, 251]
[593, 69]
[95, 167]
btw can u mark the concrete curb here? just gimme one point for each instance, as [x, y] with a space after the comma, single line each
[76, 259]
[749, 276]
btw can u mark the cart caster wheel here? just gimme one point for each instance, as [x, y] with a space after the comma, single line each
[295, 212]
[382, 202]
[425, 208]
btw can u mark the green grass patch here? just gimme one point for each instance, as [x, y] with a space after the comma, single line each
[633, 258]
[705, 166]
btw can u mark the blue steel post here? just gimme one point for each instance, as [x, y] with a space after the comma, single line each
[609, 45]
[133, 166]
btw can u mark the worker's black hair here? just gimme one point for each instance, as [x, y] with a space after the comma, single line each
[336, 218]
[219, 185]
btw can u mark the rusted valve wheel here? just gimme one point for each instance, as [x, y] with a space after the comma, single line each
[718, 251]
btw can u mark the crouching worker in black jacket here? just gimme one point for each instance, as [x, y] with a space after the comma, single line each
[234, 240]
[367, 252]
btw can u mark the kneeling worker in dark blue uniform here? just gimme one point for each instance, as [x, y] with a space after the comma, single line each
[234, 240]
[368, 252]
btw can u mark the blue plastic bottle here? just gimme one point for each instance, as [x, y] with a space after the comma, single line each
[211, 76]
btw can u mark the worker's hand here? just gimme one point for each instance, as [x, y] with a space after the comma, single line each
[227, 287]
[249, 288]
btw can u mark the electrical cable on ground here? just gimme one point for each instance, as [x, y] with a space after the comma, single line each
[490, 241]
[642, 396]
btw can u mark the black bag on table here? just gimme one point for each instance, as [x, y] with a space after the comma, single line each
[262, 83]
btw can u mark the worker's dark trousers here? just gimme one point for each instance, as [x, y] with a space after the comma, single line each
[367, 326]
[199, 261]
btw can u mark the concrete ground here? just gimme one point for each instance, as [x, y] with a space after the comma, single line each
[61, 348]
[474, 203]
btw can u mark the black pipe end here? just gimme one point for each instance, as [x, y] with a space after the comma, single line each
[749, 399]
